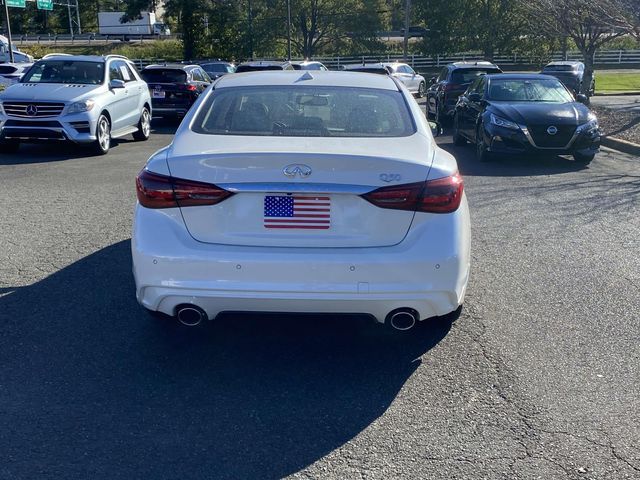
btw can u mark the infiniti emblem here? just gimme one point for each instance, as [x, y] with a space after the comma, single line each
[32, 110]
[297, 169]
[552, 130]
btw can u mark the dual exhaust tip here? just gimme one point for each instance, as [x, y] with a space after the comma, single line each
[401, 319]
[190, 315]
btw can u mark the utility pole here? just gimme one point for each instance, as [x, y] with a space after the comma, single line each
[407, 18]
[250, 18]
[288, 29]
[6, 19]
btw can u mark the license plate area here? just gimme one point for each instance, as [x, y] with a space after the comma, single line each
[295, 211]
[158, 94]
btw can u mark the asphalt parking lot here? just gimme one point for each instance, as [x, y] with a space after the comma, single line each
[538, 378]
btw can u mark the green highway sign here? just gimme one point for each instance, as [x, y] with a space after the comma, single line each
[45, 4]
[16, 3]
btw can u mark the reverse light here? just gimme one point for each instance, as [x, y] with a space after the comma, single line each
[442, 195]
[501, 122]
[162, 191]
[79, 107]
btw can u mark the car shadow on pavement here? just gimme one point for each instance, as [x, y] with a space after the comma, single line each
[510, 166]
[92, 387]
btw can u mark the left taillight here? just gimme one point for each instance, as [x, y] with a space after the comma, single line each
[162, 191]
[442, 195]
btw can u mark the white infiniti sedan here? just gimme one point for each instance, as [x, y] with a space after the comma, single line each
[302, 192]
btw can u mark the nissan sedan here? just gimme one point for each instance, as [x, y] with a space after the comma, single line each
[292, 191]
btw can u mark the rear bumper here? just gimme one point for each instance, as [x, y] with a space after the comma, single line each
[428, 271]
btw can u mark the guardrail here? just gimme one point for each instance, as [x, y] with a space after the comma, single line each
[84, 39]
[421, 62]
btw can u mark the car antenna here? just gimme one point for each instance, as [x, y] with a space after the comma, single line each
[306, 76]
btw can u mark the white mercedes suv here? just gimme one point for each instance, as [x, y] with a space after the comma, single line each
[83, 99]
[302, 192]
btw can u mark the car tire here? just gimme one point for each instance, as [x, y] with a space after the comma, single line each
[583, 159]
[458, 139]
[144, 126]
[9, 146]
[421, 89]
[482, 155]
[103, 135]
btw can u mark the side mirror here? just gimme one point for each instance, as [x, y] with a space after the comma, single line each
[433, 80]
[475, 97]
[436, 128]
[115, 83]
[582, 98]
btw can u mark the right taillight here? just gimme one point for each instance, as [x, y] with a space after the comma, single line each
[442, 195]
[162, 191]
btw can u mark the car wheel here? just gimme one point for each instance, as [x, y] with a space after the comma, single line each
[482, 155]
[458, 139]
[9, 146]
[144, 126]
[103, 135]
[583, 159]
[421, 89]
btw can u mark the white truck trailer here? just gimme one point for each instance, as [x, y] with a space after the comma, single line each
[110, 23]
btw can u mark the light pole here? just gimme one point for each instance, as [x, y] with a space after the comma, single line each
[407, 16]
[288, 29]
[6, 19]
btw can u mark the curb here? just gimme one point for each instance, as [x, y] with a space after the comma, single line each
[615, 94]
[621, 145]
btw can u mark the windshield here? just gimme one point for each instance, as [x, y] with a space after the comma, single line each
[217, 68]
[529, 90]
[66, 71]
[468, 75]
[298, 111]
[167, 75]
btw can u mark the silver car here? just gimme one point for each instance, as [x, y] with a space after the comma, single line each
[407, 75]
[84, 99]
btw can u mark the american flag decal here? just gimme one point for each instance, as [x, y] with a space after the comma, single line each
[297, 211]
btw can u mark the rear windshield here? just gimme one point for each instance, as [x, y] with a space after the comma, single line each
[7, 69]
[167, 75]
[378, 70]
[65, 71]
[257, 68]
[528, 90]
[559, 68]
[298, 111]
[217, 68]
[468, 75]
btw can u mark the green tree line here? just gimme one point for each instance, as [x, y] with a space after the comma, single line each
[243, 29]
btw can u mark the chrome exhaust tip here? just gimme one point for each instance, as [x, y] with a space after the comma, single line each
[190, 315]
[403, 319]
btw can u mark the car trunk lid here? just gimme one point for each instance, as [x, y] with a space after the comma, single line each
[299, 191]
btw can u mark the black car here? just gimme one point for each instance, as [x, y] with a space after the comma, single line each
[571, 74]
[519, 114]
[260, 65]
[452, 81]
[216, 69]
[174, 88]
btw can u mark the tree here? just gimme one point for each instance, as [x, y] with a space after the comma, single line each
[589, 24]
[496, 25]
